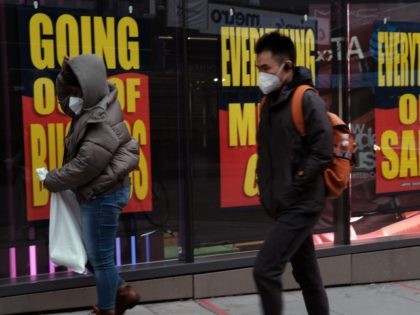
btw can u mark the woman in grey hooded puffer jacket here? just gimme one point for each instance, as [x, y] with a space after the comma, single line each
[99, 155]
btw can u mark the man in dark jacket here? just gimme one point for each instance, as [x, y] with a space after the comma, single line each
[290, 179]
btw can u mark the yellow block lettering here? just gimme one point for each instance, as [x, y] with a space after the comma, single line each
[246, 80]
[41, 49]
[381, 59]
[129, 57]
[105, 39]
[85, 25]
[389, 167]
[224, 37]
[44, 96]
[388, 59]
[119, 84]
[250, 182]
[133, 94]
[396, 59]
[408, 163]
[242, 124]
[38, 140]
[235, 60]
[408, 109]
[67, 36]
[299, 41]
[140, 178]
[404, 63]
[253, 37]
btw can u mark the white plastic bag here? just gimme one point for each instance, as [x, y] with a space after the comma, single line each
[66, 246]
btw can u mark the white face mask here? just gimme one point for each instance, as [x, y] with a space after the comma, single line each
[268, 82]
[76, 104]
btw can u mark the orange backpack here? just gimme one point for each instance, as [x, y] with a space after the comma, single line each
[337, 174]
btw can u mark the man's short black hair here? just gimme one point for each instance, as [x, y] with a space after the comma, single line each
[279, 45]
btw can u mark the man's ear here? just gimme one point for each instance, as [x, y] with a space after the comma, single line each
[288, 65]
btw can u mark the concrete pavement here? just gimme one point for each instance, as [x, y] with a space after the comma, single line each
[396, 298]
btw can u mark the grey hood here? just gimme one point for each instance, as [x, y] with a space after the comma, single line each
[90, 71]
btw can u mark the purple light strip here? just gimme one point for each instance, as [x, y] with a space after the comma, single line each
[118, 251]
[32, 260]
[133, 250]
[51, 267]
[148, 249]
[12, 262]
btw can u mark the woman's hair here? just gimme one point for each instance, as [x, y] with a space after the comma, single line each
[280, 46]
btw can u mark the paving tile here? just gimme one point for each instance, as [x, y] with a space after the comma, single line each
[394, 298]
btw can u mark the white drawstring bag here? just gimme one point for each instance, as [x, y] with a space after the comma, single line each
[65, 242]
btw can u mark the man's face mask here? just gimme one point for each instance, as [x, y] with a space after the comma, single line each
[76, 104]
[268, 82]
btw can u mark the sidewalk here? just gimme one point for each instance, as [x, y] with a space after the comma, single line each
[397, 298]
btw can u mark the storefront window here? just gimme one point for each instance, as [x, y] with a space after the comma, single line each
[383, 61]
[141, 55]
[224, 100]
[188, 88]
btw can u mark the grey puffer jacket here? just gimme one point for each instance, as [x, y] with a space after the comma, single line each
[99, 151]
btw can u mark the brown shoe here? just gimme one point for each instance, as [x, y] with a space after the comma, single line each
[98, 311]
[127, 298]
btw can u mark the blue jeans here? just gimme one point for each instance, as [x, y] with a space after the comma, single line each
[99, 229]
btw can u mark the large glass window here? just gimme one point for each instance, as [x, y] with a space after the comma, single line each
[224, 100]
[142, 57]
[188, 88]
[383, 97]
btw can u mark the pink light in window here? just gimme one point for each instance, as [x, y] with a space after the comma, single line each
[32, 260]
[118, 251]
[51, 267]
[12, 262]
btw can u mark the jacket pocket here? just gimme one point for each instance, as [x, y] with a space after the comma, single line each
[285, 198]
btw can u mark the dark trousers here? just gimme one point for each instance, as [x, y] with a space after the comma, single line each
[290, 239]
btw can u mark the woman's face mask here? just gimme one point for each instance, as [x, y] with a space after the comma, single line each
[76, 104]
[268, 82]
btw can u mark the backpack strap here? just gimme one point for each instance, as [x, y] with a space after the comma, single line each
[297, 107]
